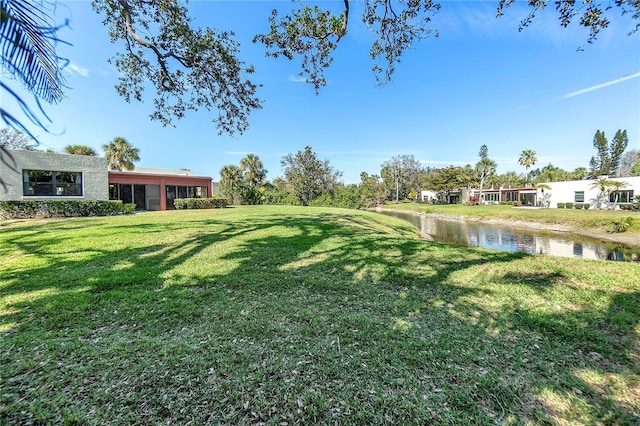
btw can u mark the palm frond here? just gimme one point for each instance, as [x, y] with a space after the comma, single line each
[27, 44]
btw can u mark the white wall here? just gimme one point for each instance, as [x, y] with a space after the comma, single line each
[95, 177]
[564, 192]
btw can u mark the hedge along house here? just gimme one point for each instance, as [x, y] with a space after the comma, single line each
[155, 189]
[37, 175]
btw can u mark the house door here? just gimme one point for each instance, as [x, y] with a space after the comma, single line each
[140, 197]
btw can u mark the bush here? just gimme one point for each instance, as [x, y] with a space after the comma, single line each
[621, 224]
[568, 205]
[59, 208]
[578, 206]
[128, 208]
[200, 203]
[561, 205]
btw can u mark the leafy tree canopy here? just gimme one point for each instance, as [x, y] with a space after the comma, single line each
[80, 150]
[308, 176]
[200, 68]
[15, 139]
[401, 175]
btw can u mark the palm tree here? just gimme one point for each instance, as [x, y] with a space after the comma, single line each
[527, 159]
[27, 46]
[254, 175]
[602, 185]
[231, 182]
[614, 188]
[120, 154]
[545, 201]
[80, 150]
[484, 168]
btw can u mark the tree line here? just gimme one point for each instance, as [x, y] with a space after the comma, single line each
[310, 181]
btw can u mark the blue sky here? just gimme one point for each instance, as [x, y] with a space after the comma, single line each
[480, 82]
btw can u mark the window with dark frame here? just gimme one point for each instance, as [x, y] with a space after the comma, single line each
[625, 196]
[48, 183]
[578, 197]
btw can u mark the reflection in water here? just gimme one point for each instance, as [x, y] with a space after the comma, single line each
[511, 239]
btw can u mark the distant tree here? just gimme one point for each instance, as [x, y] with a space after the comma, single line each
[484, 168]
[579, 173]
[80, 150]
[254, 175]
[401, 175]
[635, 169]
[372, 189]
[466, 177]
[232, 183]
[444, 180]
[308, 176]
[616, 151]
[16, 139]
[343, 196]
[508, 180]
[121, 154]
[527, 159]
[628, 161]
[607, 161]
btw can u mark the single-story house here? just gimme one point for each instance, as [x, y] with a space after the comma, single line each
[155, 189]
[37, 175]
[550, 194]
[527, 196]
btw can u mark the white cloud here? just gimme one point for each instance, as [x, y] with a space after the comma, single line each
[297, 79]
[77, 69]
[599, 86]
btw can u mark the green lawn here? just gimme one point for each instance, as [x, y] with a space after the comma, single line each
[292, 315]
[592, 219]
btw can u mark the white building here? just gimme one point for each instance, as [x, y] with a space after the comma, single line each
[588, 192]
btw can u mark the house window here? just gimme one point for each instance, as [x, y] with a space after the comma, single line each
[491, 196]
[578, 197]
[174, 192]
[511, 196]
[623, 196]
[51, 183]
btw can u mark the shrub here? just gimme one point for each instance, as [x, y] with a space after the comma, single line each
[568, 205]
[200, 203]
[128, 208]
[561, 205]
[620, 224]
[578, 206]
[59, 208]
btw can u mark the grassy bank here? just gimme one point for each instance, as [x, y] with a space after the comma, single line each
[590, 219]
[288, 315]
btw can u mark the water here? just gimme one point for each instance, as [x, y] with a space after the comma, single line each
[512, 239]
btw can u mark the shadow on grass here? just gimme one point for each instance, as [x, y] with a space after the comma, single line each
[312, 317]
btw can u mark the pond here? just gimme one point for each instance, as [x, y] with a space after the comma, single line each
[514, 239]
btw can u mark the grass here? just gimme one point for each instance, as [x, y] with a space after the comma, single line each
[593, 219]
[291, 315]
